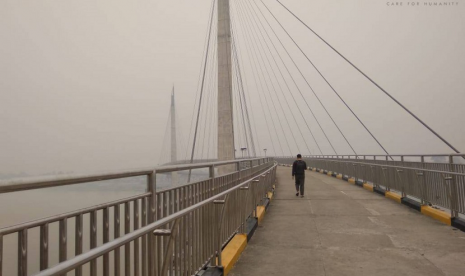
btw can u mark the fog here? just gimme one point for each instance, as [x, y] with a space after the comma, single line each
[85, 85]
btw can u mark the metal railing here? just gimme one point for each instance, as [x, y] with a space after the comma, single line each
[190, 223]
[416, 176]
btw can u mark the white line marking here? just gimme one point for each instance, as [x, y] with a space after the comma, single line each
[344, 193]
[373, 212]
[311, 209]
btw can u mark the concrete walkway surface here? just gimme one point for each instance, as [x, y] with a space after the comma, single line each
[341, 229]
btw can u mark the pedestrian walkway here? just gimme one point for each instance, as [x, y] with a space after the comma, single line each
[341, 229]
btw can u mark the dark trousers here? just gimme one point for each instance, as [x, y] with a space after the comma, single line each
[299, 183]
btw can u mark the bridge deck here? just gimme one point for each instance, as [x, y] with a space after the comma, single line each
[341, 229]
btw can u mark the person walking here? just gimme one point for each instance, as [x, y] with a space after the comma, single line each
[298, 172]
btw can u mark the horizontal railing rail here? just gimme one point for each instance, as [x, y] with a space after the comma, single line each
[30, 183]
[361, 156]
[100, 224]
[149, 229]
[419, 177]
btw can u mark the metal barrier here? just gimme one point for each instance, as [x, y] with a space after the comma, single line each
[417, 176]
[177, 231]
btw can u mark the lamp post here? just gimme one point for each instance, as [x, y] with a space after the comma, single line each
[265, 152]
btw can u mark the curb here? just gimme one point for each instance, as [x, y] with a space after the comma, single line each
[234, 248]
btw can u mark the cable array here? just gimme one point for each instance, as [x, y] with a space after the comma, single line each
[275, 105]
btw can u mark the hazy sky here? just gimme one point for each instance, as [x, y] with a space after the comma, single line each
[85, 85]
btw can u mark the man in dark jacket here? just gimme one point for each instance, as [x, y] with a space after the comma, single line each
[298, 171]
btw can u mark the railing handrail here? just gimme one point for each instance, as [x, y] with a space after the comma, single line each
[30, 183]
[384, 155]
[84, 258]
[396, 167]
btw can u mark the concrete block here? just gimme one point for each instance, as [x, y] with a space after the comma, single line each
[251, 225]
[232, 251]
[270, 196]
[436, 214]
[368, 187]
[359, 183]
[266, 203]
[411, 203]
[260, 213]
[379, 190]
[393, 196]
[459, 223]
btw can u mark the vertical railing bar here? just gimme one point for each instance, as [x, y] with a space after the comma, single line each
[63, 240]
[152, 214]
[144, 238]
[161, 200]
[106, 238]
[78, 241]
[127, 246]
[188, 233]
[136, 241]
[43, 247]
[22, 252]
[191, 232]
[117, 230]
[93, 241]
[177, 243]
[173, 209]
[210, 233]
[202, 222]
[162, 203]
[183, 233]
[198, 232]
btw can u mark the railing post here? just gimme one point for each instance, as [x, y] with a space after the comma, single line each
[375, 177]
[239, 171]
[423, 182]
[171, 234]
[403, 181]
[152, 189]
[250, 169]
[244, 205]
[255, 182]
[453, 189]
[211, 171]
[220, 217]
[364, 169]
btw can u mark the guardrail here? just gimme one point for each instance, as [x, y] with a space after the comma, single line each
[416, 176]
[189, 230]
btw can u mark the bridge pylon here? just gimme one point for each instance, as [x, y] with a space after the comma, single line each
[225, 103]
